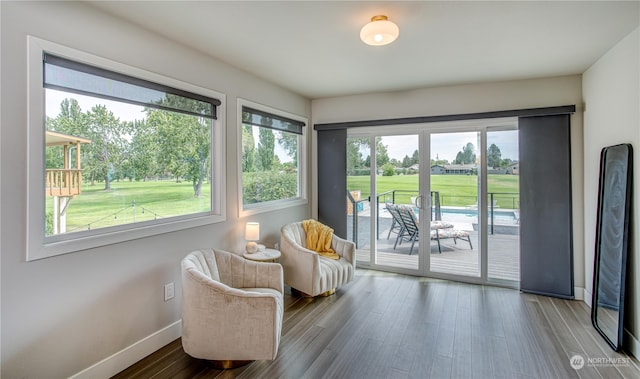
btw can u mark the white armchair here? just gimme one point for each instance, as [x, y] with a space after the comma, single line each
[307, 271]
[232, 308]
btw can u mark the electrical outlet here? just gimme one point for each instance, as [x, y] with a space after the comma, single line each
[168, 291]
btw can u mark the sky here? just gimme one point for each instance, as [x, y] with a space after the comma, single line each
[443, 145]
[123, 111]
[447, 145]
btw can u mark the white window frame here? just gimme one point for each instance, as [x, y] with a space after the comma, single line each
[268, 206]
[40, 246]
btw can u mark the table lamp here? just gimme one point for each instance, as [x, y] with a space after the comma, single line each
[252, 234]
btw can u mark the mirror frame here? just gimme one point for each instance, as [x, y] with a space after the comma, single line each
[623, 224]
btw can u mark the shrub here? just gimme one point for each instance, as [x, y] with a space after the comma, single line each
[48, 222]
[388, 169]
[359, 172]
[268, 185]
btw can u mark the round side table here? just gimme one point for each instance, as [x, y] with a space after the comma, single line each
[266, 255]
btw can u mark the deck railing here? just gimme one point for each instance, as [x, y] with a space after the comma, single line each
[438, 200]
[61, 182]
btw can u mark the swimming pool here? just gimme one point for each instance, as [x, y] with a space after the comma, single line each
[470, 215]
[460, 214]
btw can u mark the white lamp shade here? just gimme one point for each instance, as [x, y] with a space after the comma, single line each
[252, 231]
[379, 31]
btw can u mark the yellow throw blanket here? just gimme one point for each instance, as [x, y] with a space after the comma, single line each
[319, 238]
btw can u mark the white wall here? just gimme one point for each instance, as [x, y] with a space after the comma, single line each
[611, 91]
[474, 98]
[63, 314]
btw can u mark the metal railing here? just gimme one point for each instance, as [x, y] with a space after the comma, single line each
[437, 201]
[354, 204]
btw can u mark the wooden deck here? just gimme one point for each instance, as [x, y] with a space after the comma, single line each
[456, 258]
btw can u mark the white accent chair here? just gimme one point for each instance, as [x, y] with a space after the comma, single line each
[232, 308]
[307, 271]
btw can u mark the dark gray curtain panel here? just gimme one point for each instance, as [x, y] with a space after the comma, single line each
[546, 247]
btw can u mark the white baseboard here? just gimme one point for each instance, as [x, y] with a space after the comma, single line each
[578, 293]
[112, 365]
[587, 297]
[631, 343]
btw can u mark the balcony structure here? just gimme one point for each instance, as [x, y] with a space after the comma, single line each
[63, 184]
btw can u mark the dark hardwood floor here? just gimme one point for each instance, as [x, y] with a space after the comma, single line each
[385, 325]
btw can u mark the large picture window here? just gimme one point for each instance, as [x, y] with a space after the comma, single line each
[271, 157]
[122, 152]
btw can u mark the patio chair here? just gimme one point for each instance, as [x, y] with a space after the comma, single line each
[396, 222]
[409, 231]
[456, 234]
[438, 230]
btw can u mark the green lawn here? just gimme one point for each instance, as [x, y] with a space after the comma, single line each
[96, 208]
[455, 190]
[99, 208]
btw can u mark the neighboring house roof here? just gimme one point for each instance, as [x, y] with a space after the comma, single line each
[460, 167]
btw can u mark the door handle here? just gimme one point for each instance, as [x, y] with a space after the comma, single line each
[419, 202]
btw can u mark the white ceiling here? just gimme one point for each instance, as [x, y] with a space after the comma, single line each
[313, 47]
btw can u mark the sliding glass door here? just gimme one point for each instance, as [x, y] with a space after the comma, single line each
[454, 228]
[503, 206]
[358, 197]
[373, 221]
[436, 200]
[397, 183]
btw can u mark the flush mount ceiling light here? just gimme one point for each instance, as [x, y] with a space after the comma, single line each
[380, 31]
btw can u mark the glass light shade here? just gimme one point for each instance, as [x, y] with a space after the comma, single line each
[379, 31]
[252, 231]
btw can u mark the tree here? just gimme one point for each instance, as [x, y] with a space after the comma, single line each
[289, 142]
[107, 144]
[506, 162]
[494, 156]
[184, 140]
[415, 158]
[102, 156]
[184, 145]
[265, 152]
[388, 169]
[382, 156]
[248, 148]
[143, 151]
[406, 161]
[355, 146]
[71, 120]
[354, 156]
[467, 155]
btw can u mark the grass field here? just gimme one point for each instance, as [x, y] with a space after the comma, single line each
[455, 190]
[96, 208]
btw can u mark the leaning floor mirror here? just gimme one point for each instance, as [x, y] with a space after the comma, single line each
[612, 241]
